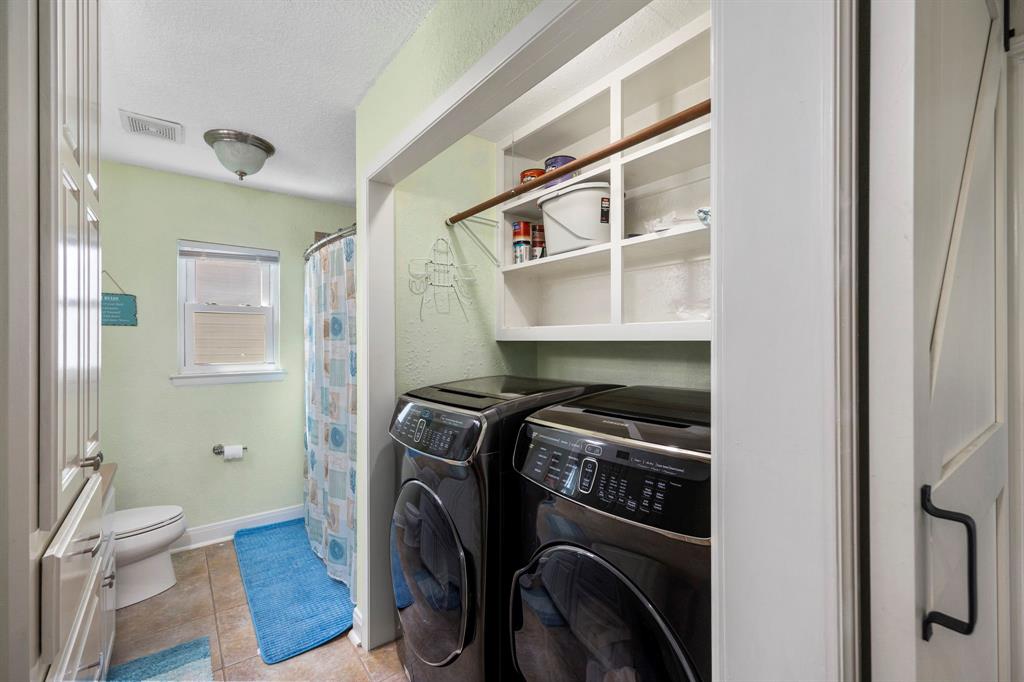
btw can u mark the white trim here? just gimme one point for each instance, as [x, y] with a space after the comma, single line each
[357, 627]
[774, 347]
[211, 378]
[194, 249]
[221, 531]
[550, 36]
[1015, 322]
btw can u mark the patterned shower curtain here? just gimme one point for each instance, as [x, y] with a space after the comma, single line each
[330, 440]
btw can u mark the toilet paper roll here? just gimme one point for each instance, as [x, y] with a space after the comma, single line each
[233, 452]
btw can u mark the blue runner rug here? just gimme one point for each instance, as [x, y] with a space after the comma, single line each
[188, 661]
[295, 606]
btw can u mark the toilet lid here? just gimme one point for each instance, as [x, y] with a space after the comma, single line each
[141, 519]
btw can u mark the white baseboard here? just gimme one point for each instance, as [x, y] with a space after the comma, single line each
[355, 635]
[212, 533]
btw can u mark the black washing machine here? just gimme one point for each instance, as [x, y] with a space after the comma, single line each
[453, 440]
[613, 574]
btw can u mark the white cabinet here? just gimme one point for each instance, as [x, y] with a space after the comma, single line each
[652, 280]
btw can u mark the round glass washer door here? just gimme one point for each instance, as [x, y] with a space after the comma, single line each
[576, 618]
[428, 575]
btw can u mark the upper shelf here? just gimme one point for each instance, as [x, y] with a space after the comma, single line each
[682, 152]
[575, 132]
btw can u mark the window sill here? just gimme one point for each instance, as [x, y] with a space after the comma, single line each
[211, 378]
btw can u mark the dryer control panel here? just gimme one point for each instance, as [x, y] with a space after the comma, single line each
[670, 491]
[435, 431]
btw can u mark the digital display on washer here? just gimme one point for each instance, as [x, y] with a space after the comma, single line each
[434, 431]
[667, 491]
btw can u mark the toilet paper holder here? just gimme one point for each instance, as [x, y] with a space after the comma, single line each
[218, 449]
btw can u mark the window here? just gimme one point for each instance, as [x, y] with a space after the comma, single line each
[228, 314]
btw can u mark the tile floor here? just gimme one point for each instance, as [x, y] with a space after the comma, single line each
[209, 601]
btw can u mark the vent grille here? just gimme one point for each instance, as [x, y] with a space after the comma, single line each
[140, 124]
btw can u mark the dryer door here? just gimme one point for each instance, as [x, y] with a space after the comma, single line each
[429, 575]
[577, 617]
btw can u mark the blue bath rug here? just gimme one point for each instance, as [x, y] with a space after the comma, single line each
[188, 661]
[295, 606]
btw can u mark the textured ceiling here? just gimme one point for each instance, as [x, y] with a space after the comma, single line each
[656, 21]
[291, 71]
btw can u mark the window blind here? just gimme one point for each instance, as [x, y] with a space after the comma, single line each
[229, 338]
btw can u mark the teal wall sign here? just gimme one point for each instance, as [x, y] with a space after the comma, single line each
[119, 310]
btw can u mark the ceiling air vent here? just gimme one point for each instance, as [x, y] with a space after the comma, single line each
[139, 124]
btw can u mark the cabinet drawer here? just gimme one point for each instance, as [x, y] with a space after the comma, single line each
[69, 567]
[82, 657]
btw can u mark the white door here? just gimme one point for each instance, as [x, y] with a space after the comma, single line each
[70, 264]
[937, 342]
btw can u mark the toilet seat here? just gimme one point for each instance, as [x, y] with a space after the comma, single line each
[131, 522]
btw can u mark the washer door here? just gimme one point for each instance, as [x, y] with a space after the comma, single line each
[577, 617]
[429, 576]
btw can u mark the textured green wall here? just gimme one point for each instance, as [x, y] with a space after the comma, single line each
[452, 37]
[661, 363]
[442, 347]
[159, 434]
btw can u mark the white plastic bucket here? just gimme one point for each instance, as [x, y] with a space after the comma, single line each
[576, 216]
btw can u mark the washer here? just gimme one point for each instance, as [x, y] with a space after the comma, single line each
[453, 440]
[613, 567]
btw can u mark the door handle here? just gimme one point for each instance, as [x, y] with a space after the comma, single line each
[937, 617]
[93, 462]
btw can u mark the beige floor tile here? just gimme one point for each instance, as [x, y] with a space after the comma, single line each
[221, 555]
[218, 675]
[336, 660]
[227, 587]
[188, 600]
[189, 564]
[381, 663]
[237, 636]
[128, 648]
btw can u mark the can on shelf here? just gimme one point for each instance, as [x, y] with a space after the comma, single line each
[522, 240]
[538, 247]
[520, 251]
[521, 230]
[530, 174]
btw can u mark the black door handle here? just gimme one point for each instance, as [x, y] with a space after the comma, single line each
[937, 617]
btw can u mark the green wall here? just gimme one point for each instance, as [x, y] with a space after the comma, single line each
[442, 347]
[161, 435]
[453, 36]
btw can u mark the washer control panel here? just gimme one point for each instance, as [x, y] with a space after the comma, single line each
[435, 431]
[659, 489]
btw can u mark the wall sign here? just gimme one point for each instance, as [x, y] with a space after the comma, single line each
[119, 310]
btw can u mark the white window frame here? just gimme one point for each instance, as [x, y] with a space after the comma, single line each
[190, 373]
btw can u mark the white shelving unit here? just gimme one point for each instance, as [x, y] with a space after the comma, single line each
[652, 280]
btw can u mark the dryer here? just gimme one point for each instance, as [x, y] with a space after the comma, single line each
[454, 439]
[612, 575]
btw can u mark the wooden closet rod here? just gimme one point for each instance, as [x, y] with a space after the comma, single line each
[642, 135]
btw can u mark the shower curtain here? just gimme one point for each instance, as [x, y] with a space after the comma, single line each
[330, 439]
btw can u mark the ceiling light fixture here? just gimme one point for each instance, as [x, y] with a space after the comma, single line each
[241, 153]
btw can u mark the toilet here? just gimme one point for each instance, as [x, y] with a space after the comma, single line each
[143, 538]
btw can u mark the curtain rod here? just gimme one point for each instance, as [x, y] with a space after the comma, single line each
[319, 244]
[642, 135]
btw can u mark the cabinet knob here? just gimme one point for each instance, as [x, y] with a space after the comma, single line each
[93, 462]
[108, 581]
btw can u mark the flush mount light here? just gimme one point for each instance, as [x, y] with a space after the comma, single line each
[241, 153]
